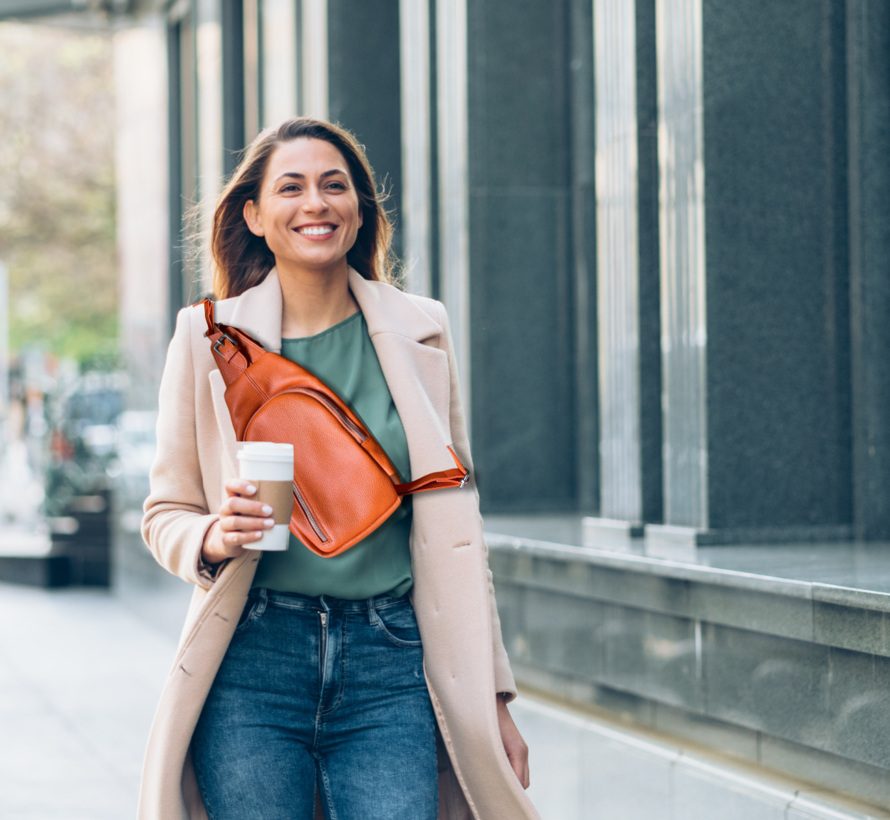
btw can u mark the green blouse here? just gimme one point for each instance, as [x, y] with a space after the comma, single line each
[344, 359]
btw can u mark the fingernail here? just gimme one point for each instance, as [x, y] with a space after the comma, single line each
[250, 489]
[269, 522]
[257, 535]
[267, 510]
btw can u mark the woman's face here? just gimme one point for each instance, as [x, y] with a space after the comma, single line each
[308, 209]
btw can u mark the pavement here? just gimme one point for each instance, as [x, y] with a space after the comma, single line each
[80, 675]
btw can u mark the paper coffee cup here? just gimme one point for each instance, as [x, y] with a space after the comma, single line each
[270, 467]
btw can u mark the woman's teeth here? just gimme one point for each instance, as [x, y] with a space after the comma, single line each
[319, 230]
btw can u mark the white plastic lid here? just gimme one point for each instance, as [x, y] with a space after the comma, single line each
[267, 451]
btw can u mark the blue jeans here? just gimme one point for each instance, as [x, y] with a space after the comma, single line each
[319, 691]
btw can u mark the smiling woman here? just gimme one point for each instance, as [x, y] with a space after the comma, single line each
[375, 675]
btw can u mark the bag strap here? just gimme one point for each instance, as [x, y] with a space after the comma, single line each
[235, 351]
[455, 477]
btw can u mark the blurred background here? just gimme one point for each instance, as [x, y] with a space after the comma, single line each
[661, 229]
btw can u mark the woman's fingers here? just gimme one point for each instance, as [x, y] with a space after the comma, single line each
[238, 486]
[235, 505]
[241, 523]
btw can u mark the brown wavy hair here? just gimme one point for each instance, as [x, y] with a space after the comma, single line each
[242, 260]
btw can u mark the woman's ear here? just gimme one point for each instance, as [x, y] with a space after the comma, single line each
[252, 218]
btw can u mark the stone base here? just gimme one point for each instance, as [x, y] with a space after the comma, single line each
[610, 532]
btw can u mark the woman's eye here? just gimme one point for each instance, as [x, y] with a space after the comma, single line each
[289, 189]
[337, 186]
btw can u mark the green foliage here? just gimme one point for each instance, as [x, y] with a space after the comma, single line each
[57, 207]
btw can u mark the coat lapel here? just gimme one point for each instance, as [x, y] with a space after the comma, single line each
[258, 312]
[416, 370]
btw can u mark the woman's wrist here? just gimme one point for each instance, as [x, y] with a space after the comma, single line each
[211, 551]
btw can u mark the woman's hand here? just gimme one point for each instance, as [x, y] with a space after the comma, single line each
[514, 745]
[241, 523]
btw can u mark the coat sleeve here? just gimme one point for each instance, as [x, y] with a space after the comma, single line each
[176, 513]
[503, 675]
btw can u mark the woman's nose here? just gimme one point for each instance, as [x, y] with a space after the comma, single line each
[315, 200]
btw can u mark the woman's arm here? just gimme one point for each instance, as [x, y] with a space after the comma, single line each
[177, 517]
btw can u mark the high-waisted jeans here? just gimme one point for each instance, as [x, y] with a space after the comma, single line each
[319, 692]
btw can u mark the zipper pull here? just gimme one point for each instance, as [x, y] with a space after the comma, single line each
[324, 618]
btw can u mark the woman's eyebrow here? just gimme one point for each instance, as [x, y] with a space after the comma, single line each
[295, 175]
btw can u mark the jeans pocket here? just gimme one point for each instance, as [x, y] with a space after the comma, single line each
[248, 615]
[399, 625]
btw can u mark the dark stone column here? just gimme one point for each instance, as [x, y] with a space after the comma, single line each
[232, 16]
[364, 85]
[520, 239]
[868, 67]
[754, 269]
[583, 162]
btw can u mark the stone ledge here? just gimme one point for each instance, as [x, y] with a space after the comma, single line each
[762, 657]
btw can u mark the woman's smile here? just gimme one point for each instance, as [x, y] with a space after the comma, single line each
[317, 231]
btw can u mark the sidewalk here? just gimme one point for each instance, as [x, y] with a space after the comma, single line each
[79, 679]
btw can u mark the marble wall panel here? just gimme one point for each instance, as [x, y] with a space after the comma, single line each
[865, 630]
[520, 233]
[860, 707]
[777, 685]
[565, 634]
[369, 102]
[654, 655]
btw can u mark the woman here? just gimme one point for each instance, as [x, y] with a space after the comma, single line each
[298, 673]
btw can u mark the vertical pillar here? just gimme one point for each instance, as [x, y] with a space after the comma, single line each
[520, 252]
[314, 29]
[627, 245]
[414, 24]
[868, 48]
[583, 252]
[454, 229]
[754, 277]
[143, 230]
[364, 86]
[232, 83]
[682, 241]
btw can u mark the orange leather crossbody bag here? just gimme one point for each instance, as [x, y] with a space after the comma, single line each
[345, 486]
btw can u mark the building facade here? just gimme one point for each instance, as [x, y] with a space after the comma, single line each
[651, 222]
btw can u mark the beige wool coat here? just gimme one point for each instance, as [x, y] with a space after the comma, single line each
[464, 658]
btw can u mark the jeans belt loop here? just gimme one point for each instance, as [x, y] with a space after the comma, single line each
[372, 613]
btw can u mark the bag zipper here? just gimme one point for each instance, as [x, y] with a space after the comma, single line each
[343, 418]
[321, 536]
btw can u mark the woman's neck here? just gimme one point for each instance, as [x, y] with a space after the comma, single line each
[314, 300]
